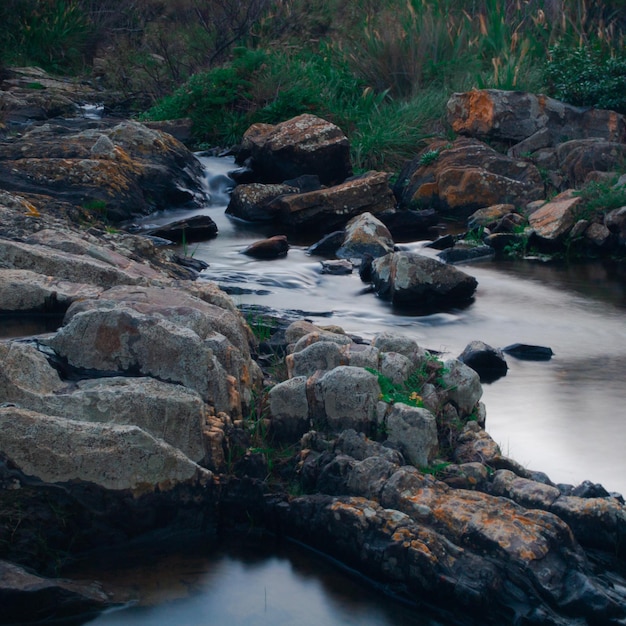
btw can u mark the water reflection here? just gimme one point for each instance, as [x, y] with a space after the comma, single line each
[250, 584]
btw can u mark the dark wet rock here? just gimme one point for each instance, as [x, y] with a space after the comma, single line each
[197, 228]
[528, 352]
[409, 225]
[414, 281]
[615, 221]
[28, 598]
[305, 183]
[328, 244]
[270, 248]
[340, 267]
[488, 362]
[442, 243]
[302, 145]
[464, 253]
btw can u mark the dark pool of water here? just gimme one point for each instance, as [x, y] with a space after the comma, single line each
[250, 583]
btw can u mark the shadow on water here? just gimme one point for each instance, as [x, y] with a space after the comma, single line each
[245, 583]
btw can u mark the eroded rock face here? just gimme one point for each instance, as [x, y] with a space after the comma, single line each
[305, 144]
[466, 175]
[60, 450]
[414, 281]
[164, 333]
[115, 172]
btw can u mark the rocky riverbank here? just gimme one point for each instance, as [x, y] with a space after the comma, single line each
[154, 407]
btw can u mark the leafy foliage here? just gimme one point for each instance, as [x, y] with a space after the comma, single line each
[588, 75]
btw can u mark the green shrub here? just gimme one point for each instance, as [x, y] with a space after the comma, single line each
[589, 75]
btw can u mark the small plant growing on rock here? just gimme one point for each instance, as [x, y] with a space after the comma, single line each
[429, 157]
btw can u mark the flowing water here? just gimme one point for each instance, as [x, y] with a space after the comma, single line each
[564, 416]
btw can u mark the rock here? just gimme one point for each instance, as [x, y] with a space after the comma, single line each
[462, 385]
[395, 366]
[530, 121]
[339, 267]
[408, 224]
[28, 292]
[365, 234]
[28, 598]
[487, 216]
[72, 259]
[420, 283]
[528, 352]
[489, 363]
[163, 333]
[346, 397]
[615, 221]
[360, 447]
[270, 248]
[463, 252]
[466, 175]
[413, 431]
[289, 409]
[321, 355]
[599, 236]
[328, 244]
[197, 228]
[169, 412]
[330, 208]
[579, 158]
[305, 144]
[252, 202]
[315, 334]
[115, 172]
[553, 221]
[115, 457]
[392, 342]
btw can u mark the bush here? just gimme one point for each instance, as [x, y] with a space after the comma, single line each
[588, 75]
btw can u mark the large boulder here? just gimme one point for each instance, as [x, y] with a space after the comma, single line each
[529, 121]
[305, 144]
[113, 172]
[111, 456]
[417, 282]
[459, 177]
[552, 222]
[330, 208]
[170, 412]
[164, 333]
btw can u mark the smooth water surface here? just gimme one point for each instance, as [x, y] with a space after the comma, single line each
[198, 584]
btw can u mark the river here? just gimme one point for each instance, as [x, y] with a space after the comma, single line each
[564, 416]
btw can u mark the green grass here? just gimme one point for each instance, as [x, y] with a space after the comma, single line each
[382, 71]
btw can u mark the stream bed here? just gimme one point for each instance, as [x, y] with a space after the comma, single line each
[564, 417]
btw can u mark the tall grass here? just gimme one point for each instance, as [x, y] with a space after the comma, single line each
[381, 69]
